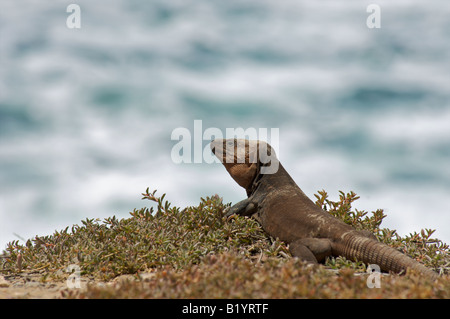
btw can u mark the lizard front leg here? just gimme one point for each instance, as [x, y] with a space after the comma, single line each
[245, 207]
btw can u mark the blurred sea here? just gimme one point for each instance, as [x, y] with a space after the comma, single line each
[86, 114]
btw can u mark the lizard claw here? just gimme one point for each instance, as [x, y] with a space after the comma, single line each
[227, 213]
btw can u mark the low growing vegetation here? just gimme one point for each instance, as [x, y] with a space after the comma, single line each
[197, 253]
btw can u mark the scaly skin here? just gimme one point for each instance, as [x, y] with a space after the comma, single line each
[285, 212]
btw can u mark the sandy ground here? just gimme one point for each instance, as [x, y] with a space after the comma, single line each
[35, 285]
[30, 285]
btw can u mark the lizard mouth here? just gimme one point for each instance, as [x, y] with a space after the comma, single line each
[217, 149]
[213, 145]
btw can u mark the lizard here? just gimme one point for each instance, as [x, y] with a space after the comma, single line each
[283, 210]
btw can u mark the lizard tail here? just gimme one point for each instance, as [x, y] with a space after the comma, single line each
[370, 251]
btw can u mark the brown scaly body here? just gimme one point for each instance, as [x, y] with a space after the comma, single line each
[285, 212]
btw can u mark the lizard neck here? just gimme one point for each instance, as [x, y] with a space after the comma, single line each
[265, 182]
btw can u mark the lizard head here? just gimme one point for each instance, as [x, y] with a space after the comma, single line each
[244, 159]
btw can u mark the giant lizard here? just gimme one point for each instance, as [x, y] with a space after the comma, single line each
[285, 212]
